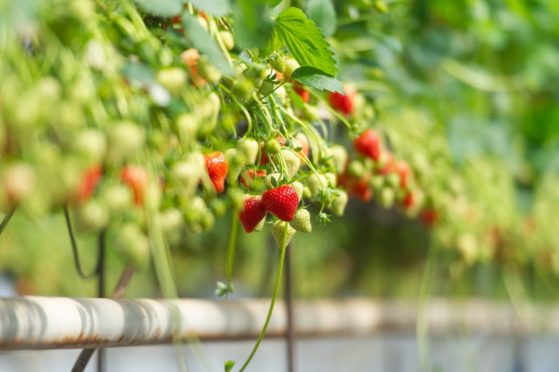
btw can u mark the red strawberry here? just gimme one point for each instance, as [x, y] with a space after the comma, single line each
[281, 202]
[429, 216]
[253, 212]
[343, 102]
[217, 169]
[403, 170]
[137, 179]
[90, 180]
[302, 92]
[408, 200]
[248, 177]
[368, 144]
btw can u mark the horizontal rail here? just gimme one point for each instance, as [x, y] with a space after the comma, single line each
[59, 322]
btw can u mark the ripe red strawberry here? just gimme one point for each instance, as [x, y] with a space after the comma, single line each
[90, 180]
[190, 58]
[302, 92]
[429, 216]
[343, 102]
[368, 144]
[137, 179]
[248, 177]
[281, 202]
[408, 200]
[253, 212]
[403, 170]
[217, 169]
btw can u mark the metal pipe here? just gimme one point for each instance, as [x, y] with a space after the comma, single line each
[58, 322]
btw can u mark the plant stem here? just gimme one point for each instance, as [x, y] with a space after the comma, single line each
[271, 308]
[6, 219]
[231, 249]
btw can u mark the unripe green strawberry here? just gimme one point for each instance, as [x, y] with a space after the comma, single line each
[189, 172]
[208, 70]
[316, 183]
[393, 180]
[172, 224]
[299, 188]
[272, 146]
[153, 197]
[381, 6]
[207, 221]
[91, 216]
[339, 203]
[282, 233]
[302, 221]
[249, 148]
[125, 139]
[173, 79]
[290, 65]
[187, 127]
[339, 157]
[273, 179]
[267, 87]
[387, 197]
[131, 244]
[377, 182]
[237, 198]
[117, 198]
[277, 61]
[356, 168]
[281, 95]
[260, 225]
[291, 161]
[331, 179]
[218, 207]
[243, 89]
[17, 181]
[194, 209]
[92, 144]
[227, 39]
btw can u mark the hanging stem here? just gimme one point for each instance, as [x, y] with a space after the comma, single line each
[75, 252]
[271, 308]
[6, 220]
[231, 250]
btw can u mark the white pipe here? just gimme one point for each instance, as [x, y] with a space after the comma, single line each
[59, 322]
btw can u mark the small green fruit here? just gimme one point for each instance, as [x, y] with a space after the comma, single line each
[282, 233]
[302, 221]
[339, 202]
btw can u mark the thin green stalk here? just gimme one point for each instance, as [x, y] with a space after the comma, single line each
[271, 308]
[231, 249]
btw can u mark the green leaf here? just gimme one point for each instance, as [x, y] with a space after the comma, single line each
[304, 40]
[322, 12]
[216, 8]
[202, 41]
[252, 23]
[165, 8]
[315, 78]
